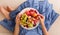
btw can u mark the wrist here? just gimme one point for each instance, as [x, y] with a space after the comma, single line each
[42, 23]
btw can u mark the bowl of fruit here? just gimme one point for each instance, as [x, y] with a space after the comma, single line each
[29, 18]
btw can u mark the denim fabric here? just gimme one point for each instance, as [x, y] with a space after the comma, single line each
[43, 7]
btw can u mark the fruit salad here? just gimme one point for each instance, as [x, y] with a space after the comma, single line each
[29, 18]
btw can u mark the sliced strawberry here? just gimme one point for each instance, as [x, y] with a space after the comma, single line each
[35, 11]
[31, 10]
[31, 13]
[28, 13]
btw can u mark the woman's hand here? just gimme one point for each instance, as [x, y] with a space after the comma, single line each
[17, 20]
[17, 25]
[42, 18]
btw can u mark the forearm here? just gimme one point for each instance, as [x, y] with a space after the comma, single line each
[44, 29]
[16, 31]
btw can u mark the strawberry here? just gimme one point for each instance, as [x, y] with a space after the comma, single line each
[35, 11]
[31, 13]
[28, 13]
[31, 10]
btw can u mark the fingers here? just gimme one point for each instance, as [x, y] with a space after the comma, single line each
[9, 8]
[17, 19]
[41, 16]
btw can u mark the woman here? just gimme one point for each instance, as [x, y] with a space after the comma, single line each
[6, 12]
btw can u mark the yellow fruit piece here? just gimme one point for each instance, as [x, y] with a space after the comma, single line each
[30, 25]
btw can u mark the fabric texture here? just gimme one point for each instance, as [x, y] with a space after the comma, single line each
[43, 7]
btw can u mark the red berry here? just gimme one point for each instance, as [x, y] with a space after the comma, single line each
[35, 11]
[31, 13]
[31, 10]
[28, 13]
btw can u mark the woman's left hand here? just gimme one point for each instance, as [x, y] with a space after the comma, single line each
[17, 20]
[42, 18]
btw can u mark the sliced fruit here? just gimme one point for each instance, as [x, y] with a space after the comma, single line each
[22, 18]
[31, 10]
[30, 20]
[30, 25]
[28, 13]
[25, 18]
[29, 17]
[34, 15]
[35, 21]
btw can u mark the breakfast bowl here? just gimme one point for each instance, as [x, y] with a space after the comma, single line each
[28, 18]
